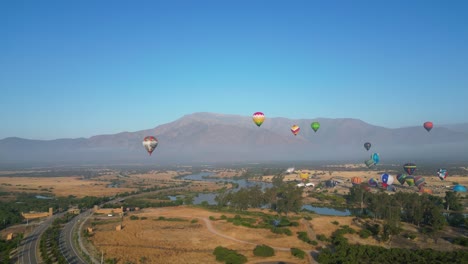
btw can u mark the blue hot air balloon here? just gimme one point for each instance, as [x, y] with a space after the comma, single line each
[376, 158]
[459, 188]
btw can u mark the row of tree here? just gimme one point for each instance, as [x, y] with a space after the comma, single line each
[282, 197]
[421, 210]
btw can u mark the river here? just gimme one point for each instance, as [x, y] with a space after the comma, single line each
[210, 197]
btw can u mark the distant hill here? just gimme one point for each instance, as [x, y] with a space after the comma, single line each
[211, 137]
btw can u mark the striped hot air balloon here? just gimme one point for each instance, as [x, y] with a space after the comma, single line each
[373, 182]
[258, 118]
[401, 178]
[295, 129]
[419, 181]
[409, 168]
[356, 180]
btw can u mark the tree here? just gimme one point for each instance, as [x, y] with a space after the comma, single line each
[452, 201]
[277, 180]
[289, 198]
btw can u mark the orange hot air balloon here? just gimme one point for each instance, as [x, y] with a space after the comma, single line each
[425, 190]
[356, 180]
[295, 129]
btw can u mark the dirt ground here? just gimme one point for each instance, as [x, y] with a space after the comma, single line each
[187, 242]
[98, 186]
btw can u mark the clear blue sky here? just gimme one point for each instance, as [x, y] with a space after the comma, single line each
[81, 68]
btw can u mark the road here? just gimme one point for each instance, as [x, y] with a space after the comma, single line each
[29, 248]
[67, 246]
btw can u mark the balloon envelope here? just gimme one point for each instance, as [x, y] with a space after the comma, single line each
[356, 180]
[369, 163]
[376, 158]
[409, 180]
[258, 118]
[409, 168]
[419, 181]
[402, 178]
[295, 129]
[386, 179]
[373, 182]
[442, 173]
[428, 126]
[367, 145]
[315, 126]
[459, 188]
[150, 143]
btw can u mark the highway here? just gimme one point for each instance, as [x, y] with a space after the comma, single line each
[67, 248]
[29, 248]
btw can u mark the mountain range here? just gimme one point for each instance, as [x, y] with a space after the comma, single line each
[221, 138]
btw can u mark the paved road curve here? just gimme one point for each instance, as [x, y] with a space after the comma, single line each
[29, 250]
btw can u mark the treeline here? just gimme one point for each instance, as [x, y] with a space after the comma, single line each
[282, 197]
[422, 210]
[342, 252]
[10, 213]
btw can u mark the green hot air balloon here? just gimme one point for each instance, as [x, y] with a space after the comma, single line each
[315, 126]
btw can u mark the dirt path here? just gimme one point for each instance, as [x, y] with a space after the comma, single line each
[210, 228]
[311, 235]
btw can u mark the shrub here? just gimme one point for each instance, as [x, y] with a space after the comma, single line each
[143, 218]
[364, 233]
[223, 217]
[335, 222]
[298, 253]
[462, 241]
[322, 237]
[285, 231]
[263, 251]
[212, 218]
[134, 217]
[229, 256]
[307, 218]
[194, 221]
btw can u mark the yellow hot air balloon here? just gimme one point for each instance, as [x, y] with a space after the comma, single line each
[295, 129]
[304, 176]
[258, 118]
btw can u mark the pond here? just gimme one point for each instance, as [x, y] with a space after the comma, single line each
[210, 197]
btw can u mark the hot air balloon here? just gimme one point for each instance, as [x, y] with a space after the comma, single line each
[391, 188]
[295, 129]
[315, 126]
[419, 182]
[304, 176]
[401, 178]
[459, 188]
[409, 180]
[376, 158]
[409, 168]
[386, 179]
[425, 190]
[258, 118]
[356, 181]
[428, 126]
[367, 145]
[373, 182]
[150, 143]
[442, 173]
